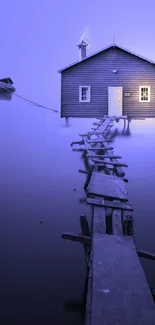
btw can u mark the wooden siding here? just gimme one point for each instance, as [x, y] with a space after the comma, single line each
[97, 73]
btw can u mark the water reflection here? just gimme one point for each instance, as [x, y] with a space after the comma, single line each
[78, 150]
[5, 95]
[39, 271]
[66, 123]
[124, 131]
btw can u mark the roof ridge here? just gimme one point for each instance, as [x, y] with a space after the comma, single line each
[104, 49]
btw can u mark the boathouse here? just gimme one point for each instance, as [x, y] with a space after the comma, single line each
[112, 81]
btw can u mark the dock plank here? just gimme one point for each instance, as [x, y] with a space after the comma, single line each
[121, 294]
[102, 125]
[103, 156]
[98, 140]
[103, 148]
[117, 228]
[115, 117]
[101, 162]
[107, 186]
[110, 204]
[99, 222]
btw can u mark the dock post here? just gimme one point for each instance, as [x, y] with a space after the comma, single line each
[67, 121]
[124, 124]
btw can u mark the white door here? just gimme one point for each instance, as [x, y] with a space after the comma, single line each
[115, 98]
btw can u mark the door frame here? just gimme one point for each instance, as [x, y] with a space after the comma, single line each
[119, 107]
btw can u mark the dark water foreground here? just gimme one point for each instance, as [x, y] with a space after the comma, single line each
[38, 270]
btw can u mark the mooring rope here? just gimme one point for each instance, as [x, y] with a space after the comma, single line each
[30, 101]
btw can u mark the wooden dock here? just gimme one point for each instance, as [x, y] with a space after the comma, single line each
[120, 293]
[117, 289]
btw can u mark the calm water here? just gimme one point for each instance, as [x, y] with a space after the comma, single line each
[40, 271]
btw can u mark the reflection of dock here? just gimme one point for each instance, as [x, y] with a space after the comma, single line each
[117, 290]
[121, 133]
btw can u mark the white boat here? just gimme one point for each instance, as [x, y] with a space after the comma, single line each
[7, 84]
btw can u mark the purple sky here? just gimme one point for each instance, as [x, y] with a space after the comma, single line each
[39, 37]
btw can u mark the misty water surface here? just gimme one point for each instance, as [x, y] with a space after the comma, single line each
[39, 172]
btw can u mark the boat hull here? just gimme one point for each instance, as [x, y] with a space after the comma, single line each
[7, 87]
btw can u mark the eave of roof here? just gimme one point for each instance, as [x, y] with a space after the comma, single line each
[104, 49]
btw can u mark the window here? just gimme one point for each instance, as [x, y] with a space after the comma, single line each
[144, 93]
[84, 94]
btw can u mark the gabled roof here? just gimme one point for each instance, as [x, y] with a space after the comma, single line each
[104, 49]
